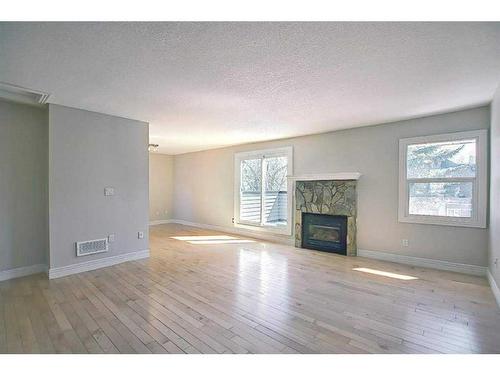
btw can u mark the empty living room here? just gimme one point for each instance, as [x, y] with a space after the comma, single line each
[200, 185]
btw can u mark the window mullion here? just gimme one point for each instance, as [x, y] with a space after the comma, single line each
[440, 179]
[262, 191]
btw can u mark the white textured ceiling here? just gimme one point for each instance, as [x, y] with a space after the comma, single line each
[206, 85]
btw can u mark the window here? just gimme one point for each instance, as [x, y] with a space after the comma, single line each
[262, 196]
[442, 179]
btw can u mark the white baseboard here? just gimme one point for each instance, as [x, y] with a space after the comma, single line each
[22, 271]
[158, 222]
[95, 264]
[494, 287]
[424, 262]
[286, 240]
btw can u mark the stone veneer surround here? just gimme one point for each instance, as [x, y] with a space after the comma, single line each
[330, 197]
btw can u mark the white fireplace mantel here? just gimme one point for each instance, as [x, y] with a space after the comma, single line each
[326, 176]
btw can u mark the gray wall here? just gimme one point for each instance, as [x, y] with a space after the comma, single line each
[494, 243]
[204, 181]
[23, 186]
[161, 179]
[89, 151]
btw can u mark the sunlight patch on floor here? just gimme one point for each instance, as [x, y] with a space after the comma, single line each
[211, 240]
[215, 242]
[200, 238]
[386, 274]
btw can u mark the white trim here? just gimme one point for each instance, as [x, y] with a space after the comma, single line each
[247, 227]
[159, 222]
[23, 95]
[327, 176]
[494, 286]
[470, 269]
[282, 239]
[95, 264]
[278, 151]
[480, 188]
[22, 271]
[238, 157]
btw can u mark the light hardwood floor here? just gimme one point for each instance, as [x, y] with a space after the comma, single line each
[220, 295]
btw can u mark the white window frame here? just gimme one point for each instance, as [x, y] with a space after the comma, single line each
[238, 157]
[479, 189]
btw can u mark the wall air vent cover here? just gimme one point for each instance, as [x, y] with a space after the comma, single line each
[22, 95]
[91, 247]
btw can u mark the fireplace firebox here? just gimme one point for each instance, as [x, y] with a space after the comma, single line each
[324, 232]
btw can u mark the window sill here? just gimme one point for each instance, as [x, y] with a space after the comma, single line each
[284, 231]
[436, 220]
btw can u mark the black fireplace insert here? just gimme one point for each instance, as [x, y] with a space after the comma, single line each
[324, 232]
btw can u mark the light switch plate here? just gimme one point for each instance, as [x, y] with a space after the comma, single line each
[140, 235]
[111, 238]
[108, 191]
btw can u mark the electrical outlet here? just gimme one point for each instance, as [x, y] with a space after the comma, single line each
[496, 262]
[140, 235]
[108, 191]
[232, 220]
[111, 238]
[404, 242]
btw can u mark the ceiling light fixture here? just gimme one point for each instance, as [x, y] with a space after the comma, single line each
[152, 147]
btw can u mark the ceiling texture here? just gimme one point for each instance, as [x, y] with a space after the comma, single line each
[209, 85]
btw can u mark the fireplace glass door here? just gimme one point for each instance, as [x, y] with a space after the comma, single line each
[324, 232]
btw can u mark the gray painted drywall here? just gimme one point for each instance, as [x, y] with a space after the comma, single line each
[161, 178]
[203, 191]
[494, 240]
[23, 186]
[89, 151]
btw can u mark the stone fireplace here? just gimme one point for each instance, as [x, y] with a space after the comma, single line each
[325, 213]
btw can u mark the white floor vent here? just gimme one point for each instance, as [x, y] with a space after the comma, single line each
[91, 247]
